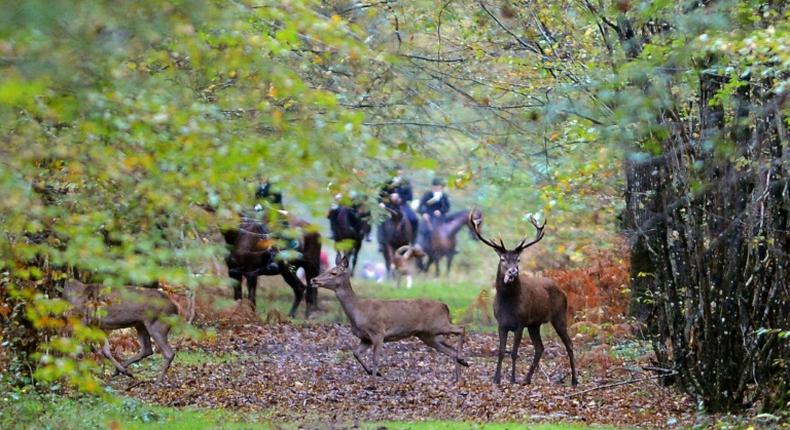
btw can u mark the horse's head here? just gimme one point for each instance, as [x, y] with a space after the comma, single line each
[394, 207]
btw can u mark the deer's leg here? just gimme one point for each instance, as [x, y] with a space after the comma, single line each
[534, 335]
[107, 353]
[252, 288]
[436, 342]
[358, 351]
[145, 346]
[459, 331]
[296, 285]
[459, 361]
[453, 351]
[500, 355]
[377, 344]
[561, 328]
[159, 331]
[514, 352]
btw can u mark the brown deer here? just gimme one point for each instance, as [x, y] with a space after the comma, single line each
[405, 262]
[145, 309]
[523, 301]
[377, 321]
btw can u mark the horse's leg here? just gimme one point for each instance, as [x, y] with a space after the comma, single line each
[311, 270]
[296, 285]
[355, 254]
[449, 262]
[428, 264]
[436, 264]
[236, 275]
[252, 287]
[388, 259]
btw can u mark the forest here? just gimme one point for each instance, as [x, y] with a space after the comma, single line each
[347, 214]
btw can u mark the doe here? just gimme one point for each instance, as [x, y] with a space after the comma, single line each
[377, 321]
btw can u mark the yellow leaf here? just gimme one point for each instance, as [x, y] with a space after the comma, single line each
[277, 118]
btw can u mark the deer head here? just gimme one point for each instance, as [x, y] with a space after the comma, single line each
[508, 259]
[335, 277]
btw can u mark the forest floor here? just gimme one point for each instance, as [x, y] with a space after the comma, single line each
[304, 372]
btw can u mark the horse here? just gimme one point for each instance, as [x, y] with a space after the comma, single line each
[441, 242]
[348, 224]
[394, 232]
[253, 252]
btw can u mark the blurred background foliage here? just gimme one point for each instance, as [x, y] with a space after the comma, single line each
[121, 120]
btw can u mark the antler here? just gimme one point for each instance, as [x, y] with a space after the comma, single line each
[405, 251]
[538, 236]
[476, 229]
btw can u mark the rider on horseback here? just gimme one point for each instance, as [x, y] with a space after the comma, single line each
[265, 194]
[269, 206]
[402, 187]
[356, 203]
[434, 205]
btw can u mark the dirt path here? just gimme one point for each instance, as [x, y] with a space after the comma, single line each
[307, 372]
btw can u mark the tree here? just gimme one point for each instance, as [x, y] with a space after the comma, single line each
[118, 120]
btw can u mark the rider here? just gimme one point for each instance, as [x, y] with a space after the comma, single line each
[357, 205]
[401, 186]
[269, 198]
[265, 195]
[434, 205]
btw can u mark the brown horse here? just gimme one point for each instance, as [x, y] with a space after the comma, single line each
[394, 232]
[254, 252]
[441, 241]
[350, 224]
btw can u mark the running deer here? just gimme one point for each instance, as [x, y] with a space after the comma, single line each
[377, 321]
[145, 309]
[524, 301]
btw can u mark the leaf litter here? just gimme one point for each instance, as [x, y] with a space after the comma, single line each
[293, 371]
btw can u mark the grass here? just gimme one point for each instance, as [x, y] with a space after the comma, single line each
[30, 410]
[36, 411]
[457, 293]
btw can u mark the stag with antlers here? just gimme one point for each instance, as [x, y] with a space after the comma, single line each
[522, 302]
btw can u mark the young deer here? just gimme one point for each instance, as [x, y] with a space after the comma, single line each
[524, 301]
[145, 309]
[405, 262]
[377, 321]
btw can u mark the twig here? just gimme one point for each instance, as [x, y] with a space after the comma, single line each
[630, 381]
[658, 369]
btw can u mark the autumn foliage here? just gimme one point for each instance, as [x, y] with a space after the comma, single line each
[598, 291]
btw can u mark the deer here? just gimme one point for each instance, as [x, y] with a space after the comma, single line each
[405, 261]
[145, 309]
[525, 301]
[375, 322]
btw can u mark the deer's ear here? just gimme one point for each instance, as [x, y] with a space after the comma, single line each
[343, 262]
[338, 258]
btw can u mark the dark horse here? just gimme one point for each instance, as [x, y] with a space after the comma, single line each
[349, 224]
[440, 241]
[253, 252]
[395, 231]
